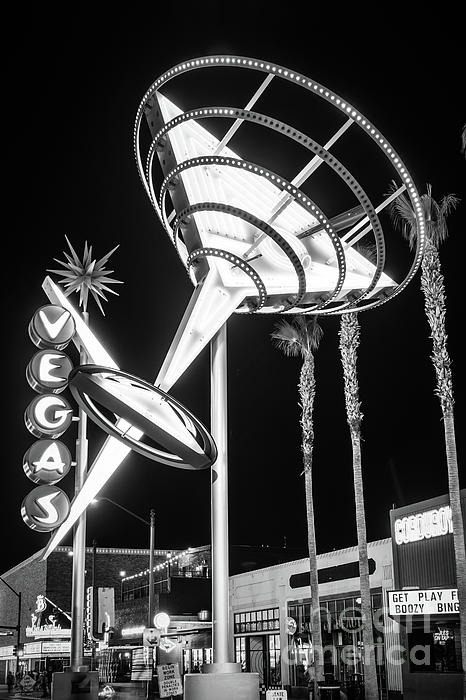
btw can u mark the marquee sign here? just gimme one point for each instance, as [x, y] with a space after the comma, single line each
[431, 523]
[47, 461]
[148, 421]
[47, 417]
[435, 601]
[48, 620]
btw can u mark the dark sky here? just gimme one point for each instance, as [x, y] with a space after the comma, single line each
[74, 84]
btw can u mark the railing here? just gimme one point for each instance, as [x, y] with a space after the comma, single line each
[161, 585]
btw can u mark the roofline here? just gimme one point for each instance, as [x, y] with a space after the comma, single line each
[320, 557]
[99, 550]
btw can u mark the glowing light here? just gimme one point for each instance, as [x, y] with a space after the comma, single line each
[161, 620]
[132, 631]
[50, 460]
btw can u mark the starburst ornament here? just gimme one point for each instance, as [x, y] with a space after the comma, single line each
[86, 275]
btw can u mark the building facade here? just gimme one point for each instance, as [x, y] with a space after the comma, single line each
[44, 588]
[270, 619]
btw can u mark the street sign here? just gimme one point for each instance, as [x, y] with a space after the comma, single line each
[169, 680]
[276, 695]
[151, 637]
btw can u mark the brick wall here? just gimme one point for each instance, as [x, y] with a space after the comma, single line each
[53, 577]
[108, 565]
[29, 580]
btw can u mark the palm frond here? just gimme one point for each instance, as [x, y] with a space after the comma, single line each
[402, 215]
[435, 215]
[286, 338]
[301, 336]
[367, 250]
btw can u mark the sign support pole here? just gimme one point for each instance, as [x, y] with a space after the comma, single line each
[219, 497]
[223, 677]
[79, 538]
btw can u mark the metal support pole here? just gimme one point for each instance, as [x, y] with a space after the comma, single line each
[150, 622]
[79, 539]
[219, 497]
[18, 632]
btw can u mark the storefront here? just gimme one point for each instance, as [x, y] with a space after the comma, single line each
[271, 621]
[425, 598]
[44, 614]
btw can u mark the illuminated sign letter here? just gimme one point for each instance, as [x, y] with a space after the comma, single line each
[45, 508]
[48, 416]
[52, 326]
[47, 461]
[48, 371]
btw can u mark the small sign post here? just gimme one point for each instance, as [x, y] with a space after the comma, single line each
[276, 695]
[169, 680]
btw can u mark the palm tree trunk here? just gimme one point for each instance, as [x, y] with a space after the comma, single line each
[306, 394]
[349, 343]
[370, 672]
[432, 284]
[458, 526]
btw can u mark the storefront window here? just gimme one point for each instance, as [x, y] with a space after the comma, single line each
[257, 621]
[240, 652]
[274, 659]
[437, 650]
[341, 623]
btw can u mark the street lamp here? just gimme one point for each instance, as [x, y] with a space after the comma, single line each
[18, 626]
[151, 548]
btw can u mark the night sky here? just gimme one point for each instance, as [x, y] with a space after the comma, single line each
[74, 84]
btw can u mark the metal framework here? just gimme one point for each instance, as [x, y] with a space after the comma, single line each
[191, 173]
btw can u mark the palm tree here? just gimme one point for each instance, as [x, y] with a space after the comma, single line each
[433, 288]
[349, 341]
[301, 338]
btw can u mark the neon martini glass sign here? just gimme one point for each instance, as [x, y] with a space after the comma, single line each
[251, 240]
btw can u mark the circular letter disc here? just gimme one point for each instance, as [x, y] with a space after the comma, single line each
[48, 371]
[45, 508]
[47, 461]
[52, 326]
[48, 415]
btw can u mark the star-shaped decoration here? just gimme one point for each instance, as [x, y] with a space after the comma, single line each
[86, 275]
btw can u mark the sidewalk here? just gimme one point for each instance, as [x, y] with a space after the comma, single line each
[17, 695]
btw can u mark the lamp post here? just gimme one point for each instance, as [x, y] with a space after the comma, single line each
[18, 626]
[150, 612]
